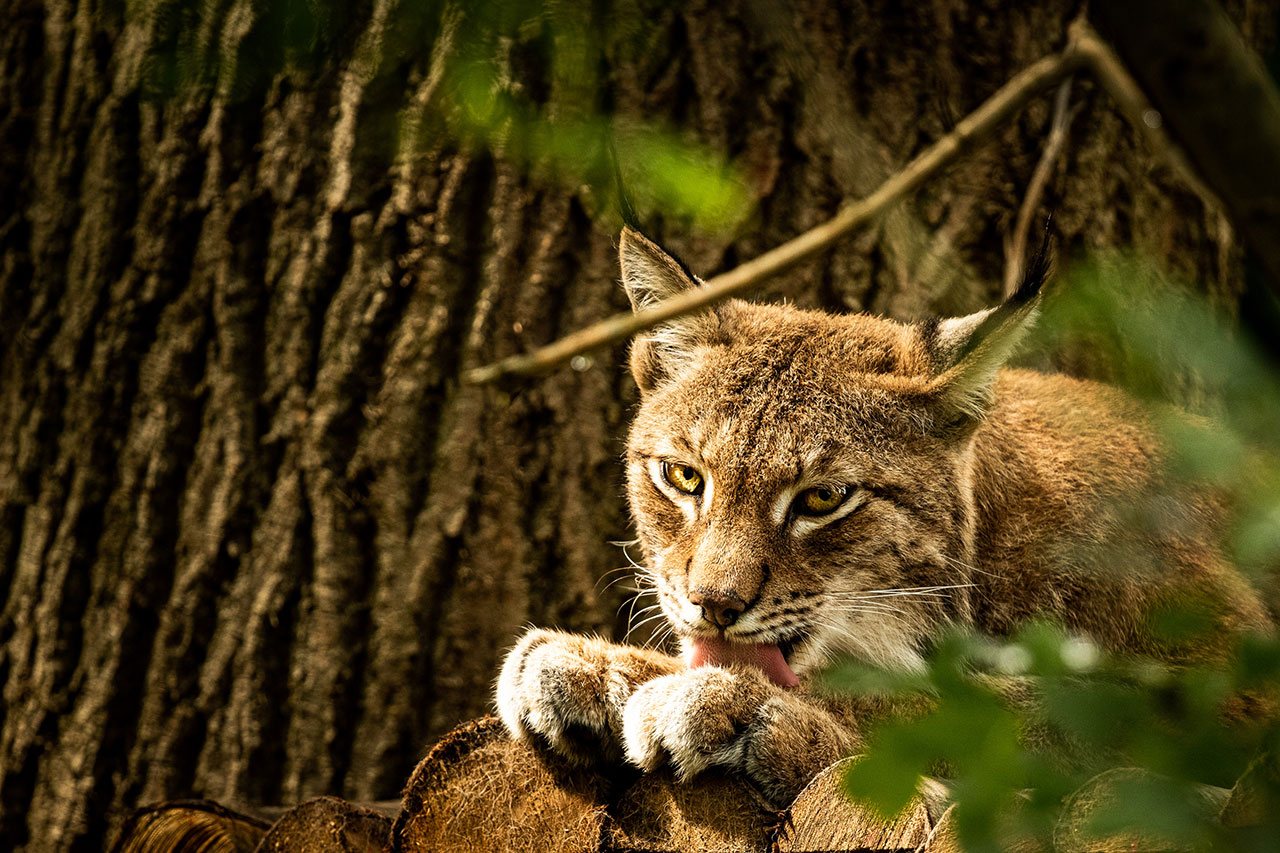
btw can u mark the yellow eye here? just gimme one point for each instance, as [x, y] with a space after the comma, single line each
[820, 500]
[684, 477]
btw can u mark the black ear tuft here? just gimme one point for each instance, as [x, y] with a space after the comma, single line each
[1036, 273]
[1019, 307]
[626, 209]
[967, 351]
[930, 330]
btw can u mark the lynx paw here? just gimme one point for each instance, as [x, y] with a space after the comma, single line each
[694, 719]
[557, 687]
[734, 718]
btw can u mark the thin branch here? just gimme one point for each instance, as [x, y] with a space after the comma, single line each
[1216, 99]
[1016, 256]
[976, 126]
[1108, 70]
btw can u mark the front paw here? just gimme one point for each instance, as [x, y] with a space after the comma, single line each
[694, 719]
[560, 689]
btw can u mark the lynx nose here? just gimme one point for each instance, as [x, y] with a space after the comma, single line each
[719, 607]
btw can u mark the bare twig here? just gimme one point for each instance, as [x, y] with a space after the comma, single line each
[1108, 70]
[974, 127]
[1216, 99]
[1016, 254]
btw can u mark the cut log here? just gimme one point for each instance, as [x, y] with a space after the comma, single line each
[478, 790]
[824, 818]
[943, 838]
[714, 814]
[189, 826]
[1079, 831]
[328, 825]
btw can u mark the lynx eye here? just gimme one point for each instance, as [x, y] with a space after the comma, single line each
[819, 500]
[684, 477]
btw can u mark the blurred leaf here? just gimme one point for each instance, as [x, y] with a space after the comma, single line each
[863, 679]
[521, 78]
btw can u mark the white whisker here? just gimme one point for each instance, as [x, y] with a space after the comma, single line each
[638, 619]
[611, 584]
[644, 622]
[631, 614]
[955, 561]
[660, 639]
[645, 612]
[913, 590]
[881, 610]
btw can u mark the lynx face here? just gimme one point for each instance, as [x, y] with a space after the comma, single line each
[801, 482]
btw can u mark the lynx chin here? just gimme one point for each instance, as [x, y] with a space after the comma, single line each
[809, 486]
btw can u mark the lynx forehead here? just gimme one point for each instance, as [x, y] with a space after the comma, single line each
[785, 389]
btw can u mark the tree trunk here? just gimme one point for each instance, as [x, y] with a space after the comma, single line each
[257, 542]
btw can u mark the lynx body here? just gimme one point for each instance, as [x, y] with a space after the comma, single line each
[809, 486]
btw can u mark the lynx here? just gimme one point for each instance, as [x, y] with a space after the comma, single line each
[808, 487]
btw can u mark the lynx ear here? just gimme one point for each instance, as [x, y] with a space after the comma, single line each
[967, 351]
[649, 275]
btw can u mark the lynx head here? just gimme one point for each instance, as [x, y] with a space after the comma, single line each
[801, 481]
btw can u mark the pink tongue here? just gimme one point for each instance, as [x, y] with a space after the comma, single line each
[719, 651]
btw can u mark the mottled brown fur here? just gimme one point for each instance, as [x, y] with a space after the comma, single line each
[978, 496]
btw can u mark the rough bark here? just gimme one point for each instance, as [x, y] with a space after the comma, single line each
[1219, 100]
[257, 542]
